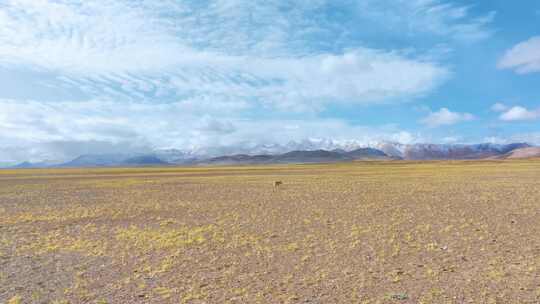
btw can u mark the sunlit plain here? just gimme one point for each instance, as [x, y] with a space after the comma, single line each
[372, 232]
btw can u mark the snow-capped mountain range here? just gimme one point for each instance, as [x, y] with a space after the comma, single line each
[309, 151]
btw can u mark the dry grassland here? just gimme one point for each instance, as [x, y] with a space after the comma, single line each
[376, 232]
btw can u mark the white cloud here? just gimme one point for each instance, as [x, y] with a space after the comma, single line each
[36, 130]
[519, 113]
[247, 50]
[358, 76]
[195, 73]
[499, 107]
[445, 117]
[523, 58]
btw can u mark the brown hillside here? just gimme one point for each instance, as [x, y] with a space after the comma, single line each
[530, 152]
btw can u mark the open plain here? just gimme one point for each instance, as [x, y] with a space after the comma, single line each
[366, 232]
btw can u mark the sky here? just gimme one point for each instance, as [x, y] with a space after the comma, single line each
[208, 76]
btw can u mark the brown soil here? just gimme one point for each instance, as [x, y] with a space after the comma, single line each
[530, 152]
[378, 232]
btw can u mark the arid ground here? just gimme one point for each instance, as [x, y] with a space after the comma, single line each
[374, 232]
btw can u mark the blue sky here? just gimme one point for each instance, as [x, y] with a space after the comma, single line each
[210, 76]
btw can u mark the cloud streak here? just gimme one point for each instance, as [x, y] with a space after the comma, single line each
[429, 17]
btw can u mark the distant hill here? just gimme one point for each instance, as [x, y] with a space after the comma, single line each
[387, 151]
[114, 160]
[31, 165]
[144, 160]
[24, 165]
[236, 160]
[383, 151]
[95, 160]
[368, 154]
[448, 152]
[529, 152]
[317, 156]
[27, 165]
[300, 157]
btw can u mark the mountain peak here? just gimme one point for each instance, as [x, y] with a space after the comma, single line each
[381, 151]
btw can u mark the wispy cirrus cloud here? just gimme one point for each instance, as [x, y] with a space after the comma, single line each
[252, 50]
[429, 17]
